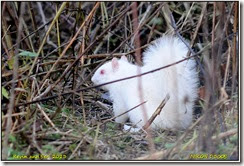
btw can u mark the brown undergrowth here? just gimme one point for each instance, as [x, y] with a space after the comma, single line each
[50, 109]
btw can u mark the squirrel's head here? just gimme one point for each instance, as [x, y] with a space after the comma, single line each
[108, 72]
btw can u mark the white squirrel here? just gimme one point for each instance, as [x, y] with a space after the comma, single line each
[180, 81]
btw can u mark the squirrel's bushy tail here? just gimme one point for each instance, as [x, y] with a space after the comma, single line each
[164, 51]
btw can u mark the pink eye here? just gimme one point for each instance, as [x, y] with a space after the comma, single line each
[102, 72]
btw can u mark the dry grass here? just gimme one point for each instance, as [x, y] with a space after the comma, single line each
[51, 111]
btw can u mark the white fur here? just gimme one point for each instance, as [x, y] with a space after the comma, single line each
[179, 81]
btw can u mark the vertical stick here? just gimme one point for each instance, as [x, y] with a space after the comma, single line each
[12, 92]
[234, 65]
[138, 60]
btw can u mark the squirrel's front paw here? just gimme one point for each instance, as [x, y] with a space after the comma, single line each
[131, 128]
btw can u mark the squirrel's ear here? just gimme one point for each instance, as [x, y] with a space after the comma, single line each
[115, 64]
[124, 58]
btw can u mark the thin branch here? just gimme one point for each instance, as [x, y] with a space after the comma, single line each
[47, 118]
[203, 12]
[157, 112]
[105, 121]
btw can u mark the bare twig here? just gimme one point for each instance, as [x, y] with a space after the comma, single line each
[15, 114]
[35, 144]
[227, 67]
[203, 12]
[77, 147]
[225, 134]
[157, 112]
[47, 118]
[105, 121]
[234, 64]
